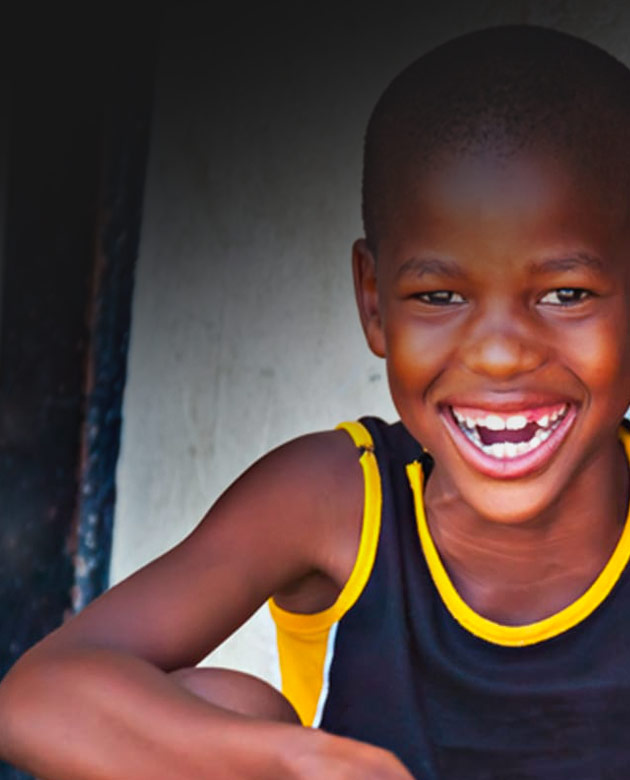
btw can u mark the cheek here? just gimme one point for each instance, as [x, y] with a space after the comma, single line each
[600, 357]
[416, 356]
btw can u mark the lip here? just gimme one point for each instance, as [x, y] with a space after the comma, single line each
[508, 468]
[506, 402]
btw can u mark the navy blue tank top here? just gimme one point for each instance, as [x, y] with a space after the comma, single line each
[403, 670]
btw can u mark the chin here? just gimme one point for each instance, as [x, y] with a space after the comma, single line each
[513, 503]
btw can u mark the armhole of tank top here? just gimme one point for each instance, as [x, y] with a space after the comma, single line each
[302, 624]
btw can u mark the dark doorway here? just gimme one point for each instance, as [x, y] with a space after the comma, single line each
[78, 129]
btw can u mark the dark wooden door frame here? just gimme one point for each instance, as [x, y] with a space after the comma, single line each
[78, 142]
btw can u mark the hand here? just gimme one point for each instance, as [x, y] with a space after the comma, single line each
[341, 758]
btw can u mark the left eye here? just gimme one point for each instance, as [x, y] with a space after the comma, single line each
[565, 296]
[441, 297]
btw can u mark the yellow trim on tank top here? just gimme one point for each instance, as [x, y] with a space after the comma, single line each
[531, 633]
[301, 623]
[303, 639]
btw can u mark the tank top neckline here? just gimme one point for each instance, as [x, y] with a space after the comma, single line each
[530, 633]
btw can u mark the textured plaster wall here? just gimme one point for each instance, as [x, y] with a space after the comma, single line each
[244, 330]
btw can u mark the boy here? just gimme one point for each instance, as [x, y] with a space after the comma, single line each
[446, 615]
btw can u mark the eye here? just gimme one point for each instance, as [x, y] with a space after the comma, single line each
[566, 296]
[441, 298]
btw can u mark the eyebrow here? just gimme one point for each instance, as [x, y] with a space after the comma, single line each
[569, 263]
[420, 266]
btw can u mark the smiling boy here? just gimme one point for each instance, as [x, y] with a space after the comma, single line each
[461, 604]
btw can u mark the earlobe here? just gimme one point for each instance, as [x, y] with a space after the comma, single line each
[366, 291]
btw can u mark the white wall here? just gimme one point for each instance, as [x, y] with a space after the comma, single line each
[244, 330]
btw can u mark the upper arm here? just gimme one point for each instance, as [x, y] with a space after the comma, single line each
[294, 512]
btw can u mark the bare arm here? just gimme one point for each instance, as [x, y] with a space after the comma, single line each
[94, 700]
[96, 713]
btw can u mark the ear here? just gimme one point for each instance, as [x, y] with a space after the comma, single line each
[366, 291]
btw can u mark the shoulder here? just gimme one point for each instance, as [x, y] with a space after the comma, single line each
[318, 484]
[301, 505]
[319, 478]
[311, 472]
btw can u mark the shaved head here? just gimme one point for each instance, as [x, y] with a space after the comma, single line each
[504, 91]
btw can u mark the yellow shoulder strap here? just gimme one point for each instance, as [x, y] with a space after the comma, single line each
[305, 641]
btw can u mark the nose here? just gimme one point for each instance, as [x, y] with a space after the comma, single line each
[501, 348]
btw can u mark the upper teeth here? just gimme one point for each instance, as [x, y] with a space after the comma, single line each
[514, 422]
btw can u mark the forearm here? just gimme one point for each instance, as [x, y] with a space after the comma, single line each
[100, 715]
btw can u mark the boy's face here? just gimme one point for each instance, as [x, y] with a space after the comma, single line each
[501, 303]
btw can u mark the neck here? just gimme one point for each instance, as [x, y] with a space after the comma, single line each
[518, 574]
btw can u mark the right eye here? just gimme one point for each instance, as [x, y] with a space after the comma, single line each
[441, 298]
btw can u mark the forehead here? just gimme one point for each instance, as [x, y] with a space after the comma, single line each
[518, 205]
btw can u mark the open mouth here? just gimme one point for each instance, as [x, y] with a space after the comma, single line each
[509, 444]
